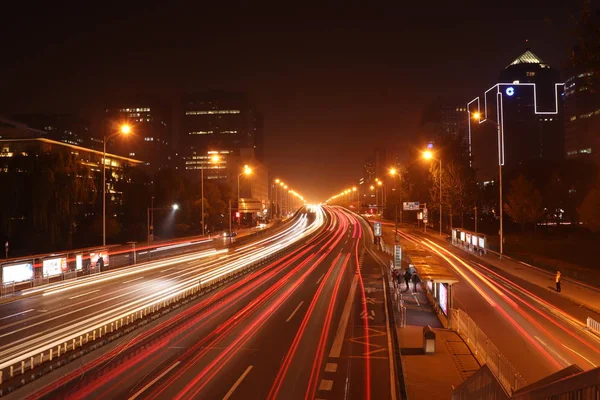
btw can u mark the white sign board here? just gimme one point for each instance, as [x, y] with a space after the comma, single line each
[78, 262]
[377, 228]
[17, 273]
[54, 266]
[443, 298]
[410, 206]
[397, 256]
[95, 256]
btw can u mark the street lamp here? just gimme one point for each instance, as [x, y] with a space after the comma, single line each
[395, 172]
[213, 159]
[428, 155]
[477, 116]
[277, 181]
[247, 171]
[173, 207]
[125, 130]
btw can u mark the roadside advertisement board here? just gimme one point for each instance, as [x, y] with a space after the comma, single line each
[443, 298]
[474, 240]
[17, 272]
[462, 236]
[410, 206]
[54, 266]
[377, 228]
[78, 262]
[95, 256]
[397, 256]
[468, 238]
[482, 243]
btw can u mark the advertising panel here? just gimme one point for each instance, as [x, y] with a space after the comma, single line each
[95, 256]
[453, 234]
[397, 256]
[462, 236]
[482, 242]
[377, 228]
[430, 286]
[410, 206]
[443, 298]
[17, 272]
[78, 262]
[54, 266]
[474, 241]
[468, 238]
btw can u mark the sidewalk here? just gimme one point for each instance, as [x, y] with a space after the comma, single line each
[578, 292]
[431, 376]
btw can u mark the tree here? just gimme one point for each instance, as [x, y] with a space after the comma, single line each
[590, 209]
[524, 202]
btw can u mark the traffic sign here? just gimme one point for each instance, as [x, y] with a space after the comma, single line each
[410, 206]
[377, 228]
[397, 256]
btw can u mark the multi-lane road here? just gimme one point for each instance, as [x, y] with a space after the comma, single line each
[536, 329]
[311, 323]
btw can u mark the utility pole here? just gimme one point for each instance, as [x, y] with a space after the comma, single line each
[230, 237]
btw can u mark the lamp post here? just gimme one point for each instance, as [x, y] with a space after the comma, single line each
[477, 116]
[150, 209]
[428, 155]
[125, 130]
[213, 160]
[247, 171]
[395, 172]
[276, 202]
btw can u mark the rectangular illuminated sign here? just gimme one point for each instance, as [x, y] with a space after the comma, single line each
[482, 243]
[78, 262]
[54, 266]
[95, 256]
[443, 298]
[17, 273]
[462, 236]
[474, 240]
[410, 206]
[377, 228]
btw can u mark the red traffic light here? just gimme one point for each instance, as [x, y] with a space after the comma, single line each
[237, 214]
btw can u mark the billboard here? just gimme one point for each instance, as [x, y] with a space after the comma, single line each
[474, 238]
[78, 262]
[443, 298]
[95, 256]
[482, 242]
[54, 266]
[17, 272]
[377, 228]
[410, 206]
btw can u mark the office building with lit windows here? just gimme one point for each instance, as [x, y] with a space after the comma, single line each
[582, 116]
[150, 138]
[64, 128]
[527, 102]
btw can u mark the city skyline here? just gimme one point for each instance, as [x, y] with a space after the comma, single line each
[335, 78]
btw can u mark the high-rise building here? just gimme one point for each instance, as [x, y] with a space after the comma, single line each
[442, 118]
[529, 98]
[150, 138]
[218, 120]
[582, 116]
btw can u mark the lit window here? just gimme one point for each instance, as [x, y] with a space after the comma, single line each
[530, 73]
[201, 133]
[586, 151]
[211, 112]
[131, 154]
[573, 118]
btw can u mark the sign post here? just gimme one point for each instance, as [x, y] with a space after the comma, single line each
[425, 215]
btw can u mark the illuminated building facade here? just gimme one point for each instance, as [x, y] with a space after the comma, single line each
[582, 116]
[529, 96]
[64, 128]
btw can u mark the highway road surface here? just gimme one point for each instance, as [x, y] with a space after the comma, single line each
[310, 324]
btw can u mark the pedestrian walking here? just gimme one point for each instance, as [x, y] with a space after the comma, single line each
[399, 278]
[558, 279]
[407, 276]
[415, 280]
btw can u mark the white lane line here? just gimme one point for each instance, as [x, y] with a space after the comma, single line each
[132, 280]
[19, 313]
[142, 390]
[325, 384]
[331, 367]
[580, 355]
[336, 348]
[292, 314]
[83, 294]
[320, 278]
[237, 383]
[167, 270]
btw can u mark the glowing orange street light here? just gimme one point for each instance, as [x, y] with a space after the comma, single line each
[125, 129]
[477, 116]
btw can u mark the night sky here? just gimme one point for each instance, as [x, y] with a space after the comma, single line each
[333, 81]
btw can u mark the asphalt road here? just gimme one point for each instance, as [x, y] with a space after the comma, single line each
[311, 324]
[59, 311]
[536, 329]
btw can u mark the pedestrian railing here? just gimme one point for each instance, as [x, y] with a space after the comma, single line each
[7, 289]
[485, 351]
[593, 326]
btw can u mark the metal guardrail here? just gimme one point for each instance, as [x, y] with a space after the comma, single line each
[486, 351]
[593, 325]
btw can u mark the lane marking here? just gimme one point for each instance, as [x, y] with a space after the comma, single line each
[331, 367]
[142, 390]
[325, 384]
[132, 280]
[580, 355]
[336, 348]
[83, 294]
[294, 312]
[322, 276]
[237, 383]
[19, 313]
